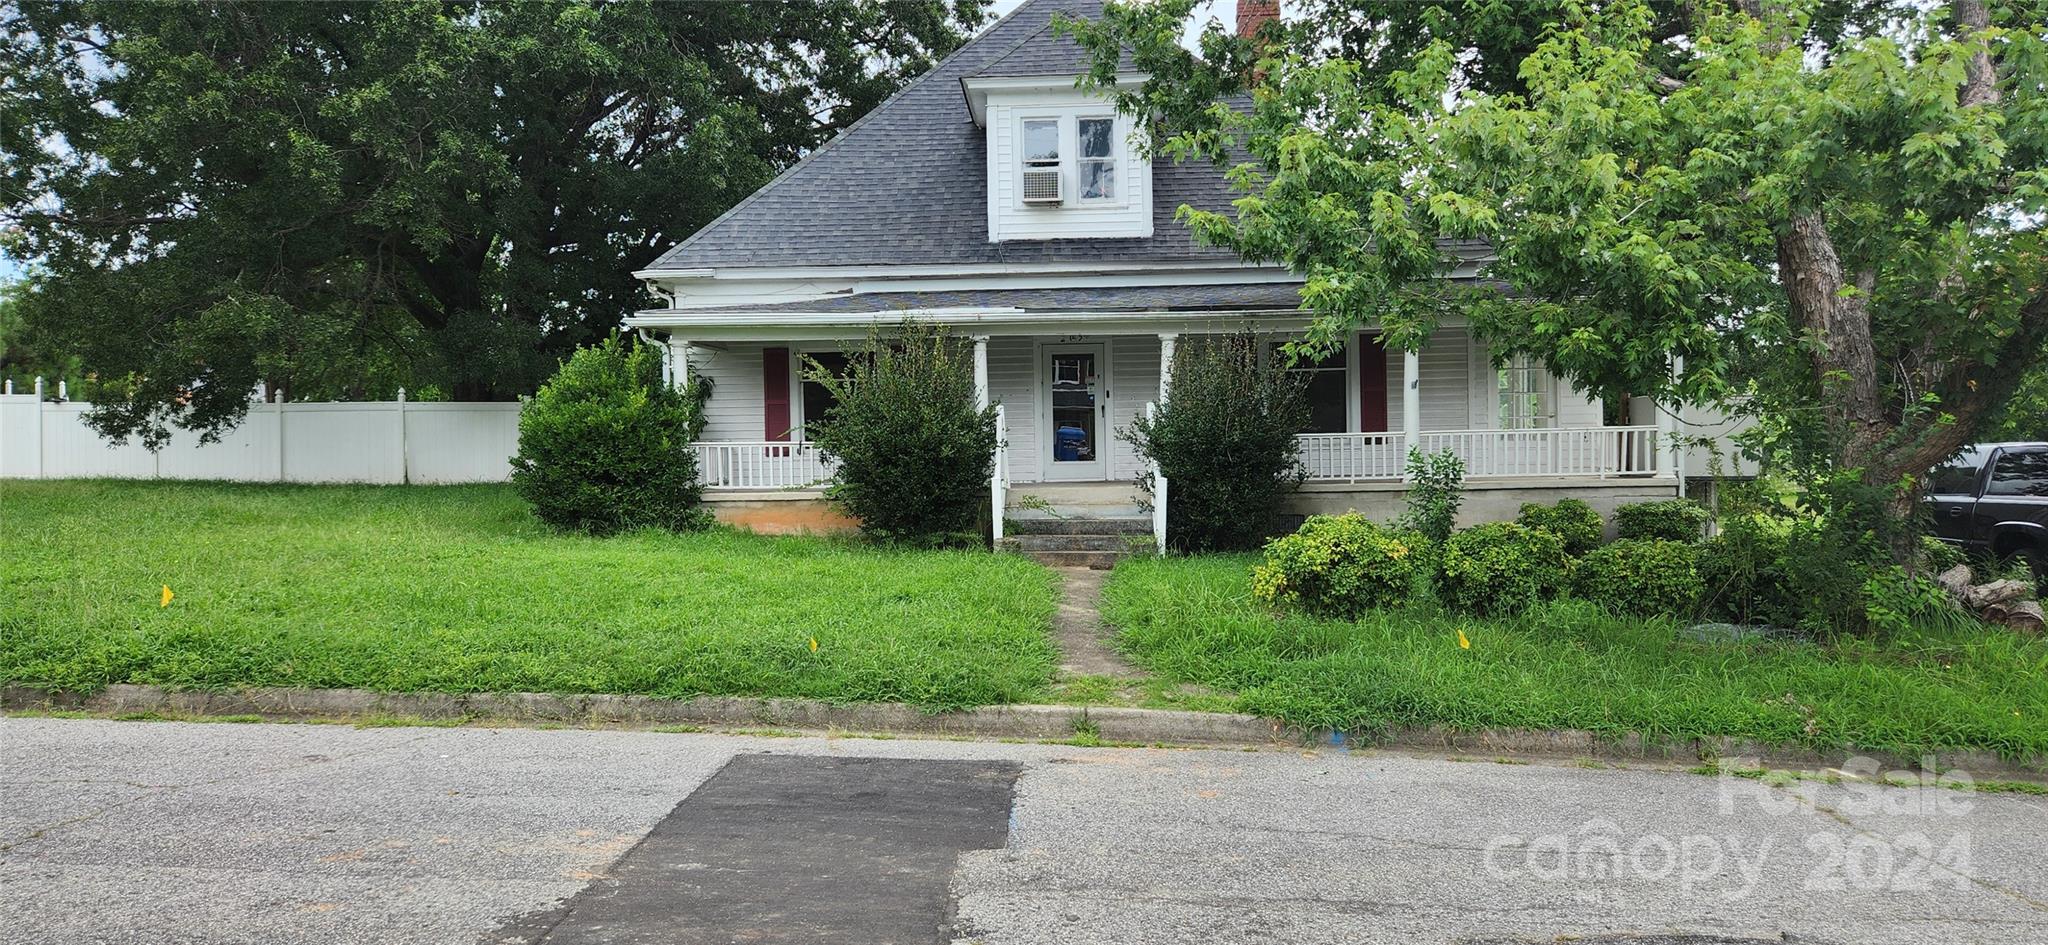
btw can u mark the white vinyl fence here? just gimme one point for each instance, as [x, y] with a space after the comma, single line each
[382, 442]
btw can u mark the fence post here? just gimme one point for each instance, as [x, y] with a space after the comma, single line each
[998, 483]
[1158, 493]
[404, 466]
[39, 428]
[277, 399]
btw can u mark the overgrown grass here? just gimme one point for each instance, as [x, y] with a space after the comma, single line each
[1570, 665]
[457, 589]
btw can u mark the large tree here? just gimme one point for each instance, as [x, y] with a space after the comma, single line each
[338, 198]
[1832, 210]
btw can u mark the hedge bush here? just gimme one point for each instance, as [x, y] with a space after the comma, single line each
[1645, 577]
[914, 450]
[1341, 566]
[605, 445]
[1570, 519]
[1224, 440]
[1668, 520]
[1501, 568]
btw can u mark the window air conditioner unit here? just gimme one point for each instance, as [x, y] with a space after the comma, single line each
[1042, 187]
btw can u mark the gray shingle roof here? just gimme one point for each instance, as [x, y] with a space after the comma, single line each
[907, 184]
[1263, 296]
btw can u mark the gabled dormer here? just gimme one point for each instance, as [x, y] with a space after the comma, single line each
[1060, 160]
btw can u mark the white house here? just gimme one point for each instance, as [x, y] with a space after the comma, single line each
[993, 196]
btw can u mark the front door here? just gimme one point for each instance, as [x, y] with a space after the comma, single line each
[1077, 412]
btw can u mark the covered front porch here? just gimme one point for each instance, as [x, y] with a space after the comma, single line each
[1065, 395]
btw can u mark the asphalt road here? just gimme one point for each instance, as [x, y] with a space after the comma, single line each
[151, 832]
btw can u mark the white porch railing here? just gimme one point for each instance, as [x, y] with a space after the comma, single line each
[1598, 452]
[1350, 457]
[761, 465]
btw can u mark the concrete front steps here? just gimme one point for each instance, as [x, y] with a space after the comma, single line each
[1079, 525]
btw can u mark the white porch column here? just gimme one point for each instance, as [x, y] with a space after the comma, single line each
[981, 398]
[1167, 341]
[678, 363]
[1411, 400]
[1669, 423]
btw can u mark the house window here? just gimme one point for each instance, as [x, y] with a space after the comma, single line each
[815, 398]
[1525, 394]
[1329, 390]
[1098, 158]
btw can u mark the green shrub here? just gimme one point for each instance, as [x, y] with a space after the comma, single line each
[1501, 568]
[1436, 483]
[1742, 572]
[1340, 566]
[605, 446]
[1570, 519]
[1941, 555]
[914, 452]
[1669, 520]
[1639, 576]
[1224, 440]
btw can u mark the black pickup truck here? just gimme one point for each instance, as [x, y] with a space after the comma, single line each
[1993, 499]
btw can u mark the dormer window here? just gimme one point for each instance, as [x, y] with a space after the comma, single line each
[1060, 161]
[1098, 158]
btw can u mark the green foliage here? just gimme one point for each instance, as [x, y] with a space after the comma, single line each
[1941, 555]
[913, 448]
[1570, 519]
[1744, 573]
[1225, 442]
[1895, 603]
[1501, 568]
[1573, 665]
[1436, 484]
[1341, 566]
[605, 446]
[1833, 213]
[340, 199]
[1645, 577]
[1665, 520]
[459, 589]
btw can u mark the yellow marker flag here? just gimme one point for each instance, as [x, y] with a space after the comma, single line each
[814, 644]
[1463, 643]
[165, 600]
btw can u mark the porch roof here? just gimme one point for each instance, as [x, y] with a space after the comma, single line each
[1261, 296]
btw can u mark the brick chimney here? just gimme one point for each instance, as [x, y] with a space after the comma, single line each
[1252, 14]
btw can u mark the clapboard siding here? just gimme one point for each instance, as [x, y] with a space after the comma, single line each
[1013, 382]
[734, 411]
[1446, 382]
[1134, 379]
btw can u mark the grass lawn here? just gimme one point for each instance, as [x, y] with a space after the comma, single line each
[1572, 666]
[458, 589]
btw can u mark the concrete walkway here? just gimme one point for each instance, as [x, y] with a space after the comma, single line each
[163, 832]
[1084, 642]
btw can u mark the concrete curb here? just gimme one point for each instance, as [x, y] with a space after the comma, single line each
[1023, 722]
[1031, 722]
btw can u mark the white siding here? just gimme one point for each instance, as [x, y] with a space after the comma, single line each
[734, 411]
[1013, 382]
[1134, 379]
[1446, 382]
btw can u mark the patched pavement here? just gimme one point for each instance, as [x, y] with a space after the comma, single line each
[152, 832]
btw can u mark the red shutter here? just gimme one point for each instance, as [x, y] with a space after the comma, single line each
[1372, 385]
[775, 392]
